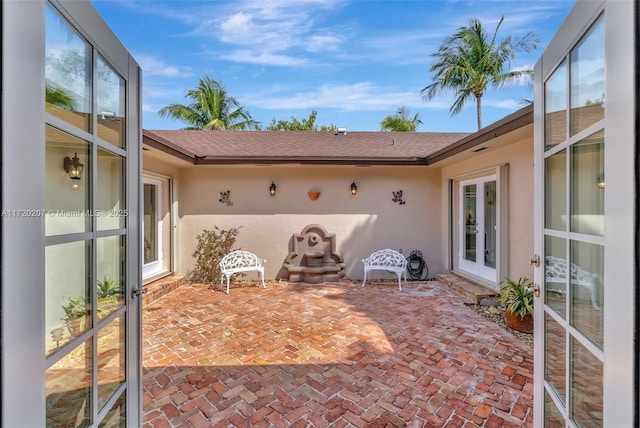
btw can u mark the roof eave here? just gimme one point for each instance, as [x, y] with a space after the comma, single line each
[247, 160]
[509, 123]
[159, 143]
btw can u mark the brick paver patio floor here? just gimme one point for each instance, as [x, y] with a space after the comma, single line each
[330, 355]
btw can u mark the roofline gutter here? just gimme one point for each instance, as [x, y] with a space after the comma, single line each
[245, 160]
[509, 123]
[167, 147]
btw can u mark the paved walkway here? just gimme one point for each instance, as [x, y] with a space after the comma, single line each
[330, 355]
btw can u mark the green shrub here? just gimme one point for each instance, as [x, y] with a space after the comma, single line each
[212, 246]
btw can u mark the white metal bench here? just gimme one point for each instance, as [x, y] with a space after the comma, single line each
[388, 260]
[556, 273]
[241, 261]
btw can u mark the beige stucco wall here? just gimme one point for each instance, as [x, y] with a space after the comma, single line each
[516, 150]
[362, 224]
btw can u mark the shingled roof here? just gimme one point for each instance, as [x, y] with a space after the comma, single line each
[322, 147]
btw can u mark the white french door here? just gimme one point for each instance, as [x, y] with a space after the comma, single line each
[584, 124]
[71, 348]
[152, 225]
[478, 227]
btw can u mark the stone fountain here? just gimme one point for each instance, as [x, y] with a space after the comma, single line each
[312, 257]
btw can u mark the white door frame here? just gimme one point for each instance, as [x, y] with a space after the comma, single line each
[478, 267]
[156, 266]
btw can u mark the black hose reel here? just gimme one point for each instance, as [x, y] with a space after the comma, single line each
[417, 268]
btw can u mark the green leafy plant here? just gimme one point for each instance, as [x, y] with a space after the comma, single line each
[108, 293]
[517, 296]
[107, 287]
[77, 307]
[212, 246]
[76, 311]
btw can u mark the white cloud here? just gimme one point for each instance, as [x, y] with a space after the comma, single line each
[268, 27]
[148, 108]
[152, 66]
[509, 104]
[360, 96]
[264, 58]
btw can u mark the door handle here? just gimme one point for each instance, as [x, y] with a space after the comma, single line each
[534, 261]
[535, 289]
[137, 291]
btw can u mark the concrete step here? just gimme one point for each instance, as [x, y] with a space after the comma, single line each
[161, 287]
[471, 292]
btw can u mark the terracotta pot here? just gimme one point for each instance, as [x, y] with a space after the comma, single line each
[314, 195]
[516, 322]
[74, 325]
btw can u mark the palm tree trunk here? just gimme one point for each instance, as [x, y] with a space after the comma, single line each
[479, 111]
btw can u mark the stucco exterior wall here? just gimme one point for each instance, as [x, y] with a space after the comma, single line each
[363, 223]
[516, 150]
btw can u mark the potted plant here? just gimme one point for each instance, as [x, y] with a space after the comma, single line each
[517, 296]
[108, 292]
[77, 308]
[75, 314]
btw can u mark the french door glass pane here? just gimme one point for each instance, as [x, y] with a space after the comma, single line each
[587, 79]
[470, 219]
[67, 286]
[116, 417]
[111, 359]
[111, 105]
[555, 191]
[111, 274]
[150, 221]
[555, 356]
[112, 212]
[68, 388]
[587, 306]
[587, 185]
[67, 199]
[555, 279]
[552, 416]
[555, 120]
[586, 386]
[67, 72]
[490, 224]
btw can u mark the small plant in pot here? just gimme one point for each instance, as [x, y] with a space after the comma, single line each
[76, 314]
[77, 308]
[108, 293]
[517, 297]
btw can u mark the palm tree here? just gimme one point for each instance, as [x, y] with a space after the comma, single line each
[401, 122]
[211, 108]
[59, 97]
[469, 60]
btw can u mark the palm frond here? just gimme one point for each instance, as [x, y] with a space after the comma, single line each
[210, 108]
[471, 59]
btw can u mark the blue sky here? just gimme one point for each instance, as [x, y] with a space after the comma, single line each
[354, 62]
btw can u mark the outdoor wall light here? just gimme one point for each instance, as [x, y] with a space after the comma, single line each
[272, 189]
[354, 189]
[601, 181]
[73, 167]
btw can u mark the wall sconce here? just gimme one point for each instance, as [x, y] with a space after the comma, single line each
[601, 181]
[272, 189]
[73, 167]
[354, 189]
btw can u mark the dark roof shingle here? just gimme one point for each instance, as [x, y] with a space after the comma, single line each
[280, 146]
